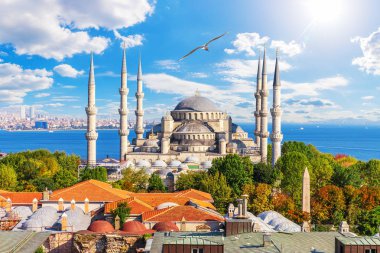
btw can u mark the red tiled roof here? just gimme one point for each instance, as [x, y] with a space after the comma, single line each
[137, 206]
[95, 191]
[177, 213]
[195, 194]
[19, 198]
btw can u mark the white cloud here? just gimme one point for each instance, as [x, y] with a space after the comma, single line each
[54, 105]
[59, 28]
[67, 70]
[42, 95]
[290, 49]
[247, 68]
[198, 75]
[248, 43]
[367, 98]
[68, 87]
[370, 46]
[168, 64]
[65, 98]
[16, 82]
[130, 40]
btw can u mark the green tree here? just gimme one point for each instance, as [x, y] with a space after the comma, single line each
[65, 178]
[371, 173]
[97, 173]
[343, 176]
[322, 171]
[217, 186]
[292, 166]
[369, 222]
[237, 170]
[8, 177]
[155, 184]
[300, 147]
[265, 173]
[134, 180]
[262, 198]
[122, 210]
[190, 180]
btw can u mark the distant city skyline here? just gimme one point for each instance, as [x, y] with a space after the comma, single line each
[329, 51]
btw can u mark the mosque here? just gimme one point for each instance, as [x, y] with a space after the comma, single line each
[194, 133]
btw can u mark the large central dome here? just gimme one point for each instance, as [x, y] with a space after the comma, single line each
[197, 103]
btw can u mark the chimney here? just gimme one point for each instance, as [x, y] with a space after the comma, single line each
[64, 222]
[72, 204]
[305, 227]
[86, 206]
[61, 206]
[34, 205]
[256, 227]
[344, 227]
[240, 207]
[117, 222]
[231, 210]
[267, 240]
[8, 206]
[45, 194]
[245, 206]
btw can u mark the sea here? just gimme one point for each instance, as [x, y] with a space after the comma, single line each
[362, 142]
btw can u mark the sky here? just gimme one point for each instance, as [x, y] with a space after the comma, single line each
[329, 53]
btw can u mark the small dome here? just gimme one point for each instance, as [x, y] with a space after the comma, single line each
[77, 219]
[206, 164]
[192, 159]
[167, 226]
[134, 227]
[197, 103]
[165, 205]
[151, 143]
[101, 226]
[174, 163]
[193, 127]
[183, 166]
[159, 163]
[143, 164]
[22, 212]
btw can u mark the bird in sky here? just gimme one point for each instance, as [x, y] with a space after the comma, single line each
[204, 47]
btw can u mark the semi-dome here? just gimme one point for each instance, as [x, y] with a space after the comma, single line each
[159, 163]
[183, 166]
[143, 164]
[174, 163]
[167, 226]
[192, 159]
[197, 103]
[77, 219]
[193, 127]
[165, 205]
[101, 226]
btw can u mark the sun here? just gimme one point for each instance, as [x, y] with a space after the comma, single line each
[325, 11]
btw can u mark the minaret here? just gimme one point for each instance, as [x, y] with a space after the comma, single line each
[276, 135]
[91, 111]
[258, 103]
[264, 113]
[123, 111]
[139, 129]
[306, 191]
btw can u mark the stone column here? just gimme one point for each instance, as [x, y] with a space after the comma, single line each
[276, 135]
[91, 111]
[306, 192]
[264, 113]
[123, 111]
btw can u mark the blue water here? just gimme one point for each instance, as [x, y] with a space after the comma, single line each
[359, 141]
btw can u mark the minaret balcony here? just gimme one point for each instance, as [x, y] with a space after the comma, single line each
[92, 136]
[139, 113]
[276, 112]
[123, 132]
[263, 113]
[256, 113]
[257, 95]
[264, 93]
[139, 95]
[139, 130]
[264, 134]
[276, 137]
[257, 133]
[123, 91]
[91, 110]
[123, 112]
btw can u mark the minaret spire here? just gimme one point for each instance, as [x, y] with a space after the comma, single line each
[123, 111]
[139, 128]
[91, 111]
[276, 135]
[258, 102]
[264, 113]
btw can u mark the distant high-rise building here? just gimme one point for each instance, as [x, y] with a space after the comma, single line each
[22, 112]
[31, 112]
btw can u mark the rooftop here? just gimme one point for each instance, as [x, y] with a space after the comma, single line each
[197, 103]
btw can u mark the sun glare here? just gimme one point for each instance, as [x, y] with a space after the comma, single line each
[325, 11]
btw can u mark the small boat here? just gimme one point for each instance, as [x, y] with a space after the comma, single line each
[51, 131]
[301, 128]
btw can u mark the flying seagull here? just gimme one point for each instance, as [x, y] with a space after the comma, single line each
[204, 47]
